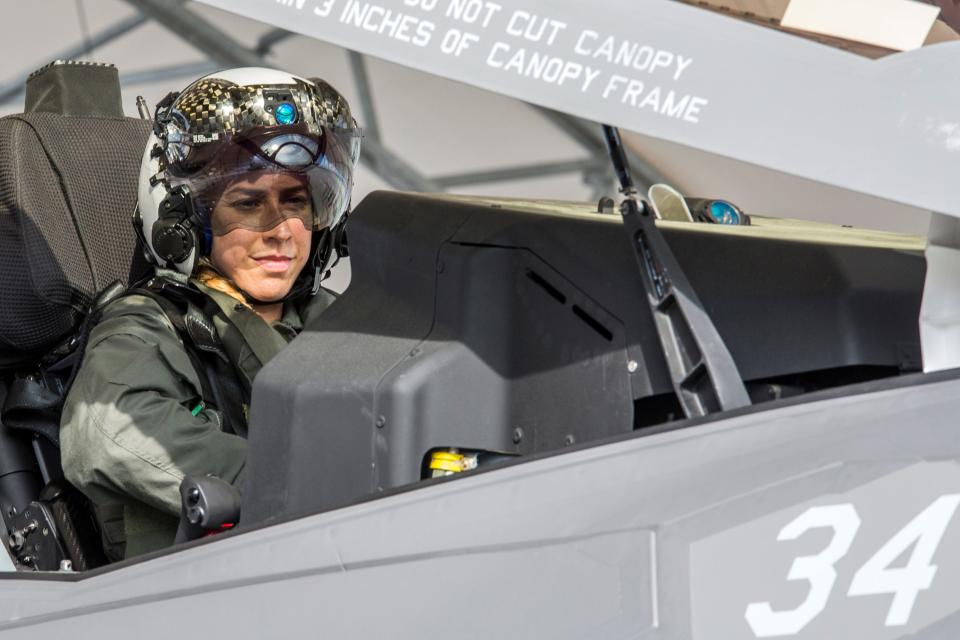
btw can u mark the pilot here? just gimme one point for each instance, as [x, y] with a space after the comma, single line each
[244, 187]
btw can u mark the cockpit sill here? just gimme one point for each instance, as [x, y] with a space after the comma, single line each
[773, 406]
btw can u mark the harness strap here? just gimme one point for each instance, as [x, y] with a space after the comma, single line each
[218, 378]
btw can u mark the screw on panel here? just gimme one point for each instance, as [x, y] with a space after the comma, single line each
[569, 440]
[517, 435]
[66, 565]
[632, 366]
[381, 422]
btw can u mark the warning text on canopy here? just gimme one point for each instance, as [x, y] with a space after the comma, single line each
[527, 45]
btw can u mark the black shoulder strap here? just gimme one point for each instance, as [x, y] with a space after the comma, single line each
[34, 401]
[188, 311]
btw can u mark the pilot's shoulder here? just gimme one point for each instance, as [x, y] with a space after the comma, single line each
[134, 314]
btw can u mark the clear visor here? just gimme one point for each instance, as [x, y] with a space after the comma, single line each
[259, 179]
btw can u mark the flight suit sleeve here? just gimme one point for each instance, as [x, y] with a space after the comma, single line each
[131, 426]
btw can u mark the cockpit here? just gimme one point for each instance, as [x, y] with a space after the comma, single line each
[476, 333]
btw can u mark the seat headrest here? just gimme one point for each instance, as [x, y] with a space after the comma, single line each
[73, 88]
[68, 189]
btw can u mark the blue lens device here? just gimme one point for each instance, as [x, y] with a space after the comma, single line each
[285, 113]
[722, 212]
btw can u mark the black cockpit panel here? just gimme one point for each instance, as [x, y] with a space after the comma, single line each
[497, 327]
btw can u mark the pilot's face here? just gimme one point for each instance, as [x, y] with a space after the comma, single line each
[262, 233]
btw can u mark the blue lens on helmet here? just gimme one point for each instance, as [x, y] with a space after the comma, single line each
[285, 113]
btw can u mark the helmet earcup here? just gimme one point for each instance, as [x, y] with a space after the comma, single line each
[171, 241]
[158, 214]
[340, 244]
[322, 247]
[331, 240]
[173, 236]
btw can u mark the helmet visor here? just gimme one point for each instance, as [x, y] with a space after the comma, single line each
[261, 177]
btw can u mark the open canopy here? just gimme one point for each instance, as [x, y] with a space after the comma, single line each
[889, 127]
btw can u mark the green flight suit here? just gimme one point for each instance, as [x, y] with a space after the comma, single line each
[134, 424]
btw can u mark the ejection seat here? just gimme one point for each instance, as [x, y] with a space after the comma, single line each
[68, 181]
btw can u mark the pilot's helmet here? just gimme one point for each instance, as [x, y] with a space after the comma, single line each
[229, 125]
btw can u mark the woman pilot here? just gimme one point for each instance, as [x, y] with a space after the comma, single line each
[244, 188]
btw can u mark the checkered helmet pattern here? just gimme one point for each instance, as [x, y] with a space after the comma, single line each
[214, 106]
[287, 116]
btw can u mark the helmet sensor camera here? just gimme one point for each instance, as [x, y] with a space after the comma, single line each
[281, 106]
[285, 113]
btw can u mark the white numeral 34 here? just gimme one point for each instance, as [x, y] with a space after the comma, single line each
[924, 533]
